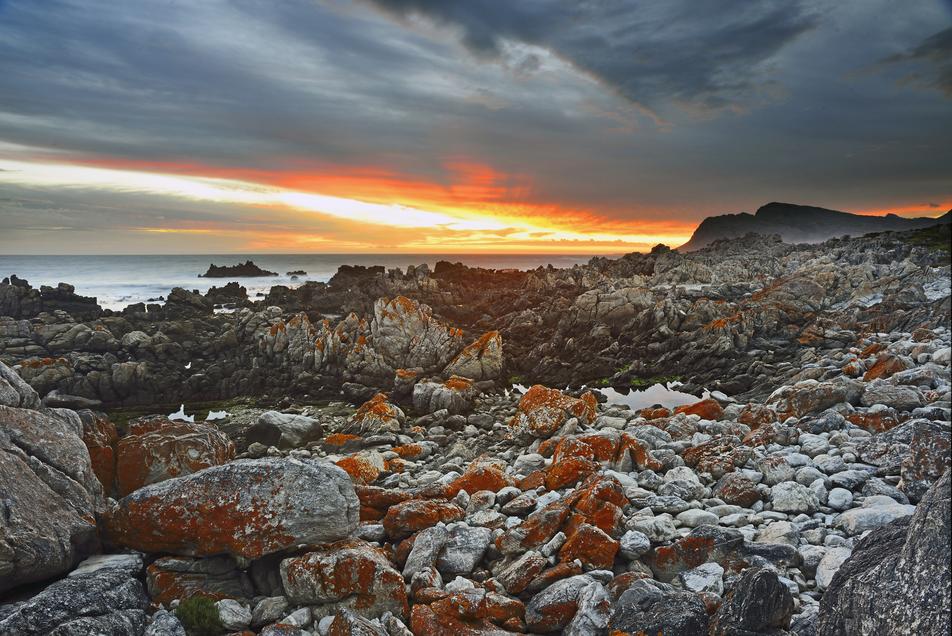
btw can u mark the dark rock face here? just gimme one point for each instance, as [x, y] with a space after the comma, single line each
[648, 607]
[104, 602]
[243, 270]
[897, 580]
[759, 604]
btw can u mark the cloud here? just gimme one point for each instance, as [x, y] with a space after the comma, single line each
[707, 55]
[936, 52]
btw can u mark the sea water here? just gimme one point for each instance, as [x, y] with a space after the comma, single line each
[117, 281]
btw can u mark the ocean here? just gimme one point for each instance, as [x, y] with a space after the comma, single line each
[117, 281]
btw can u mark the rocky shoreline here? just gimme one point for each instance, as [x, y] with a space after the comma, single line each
[388, 479]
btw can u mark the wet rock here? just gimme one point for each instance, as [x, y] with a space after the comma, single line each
[247, 508]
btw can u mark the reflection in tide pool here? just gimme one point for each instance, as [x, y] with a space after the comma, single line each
[654, 394]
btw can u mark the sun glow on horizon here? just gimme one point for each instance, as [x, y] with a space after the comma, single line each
[442, 228]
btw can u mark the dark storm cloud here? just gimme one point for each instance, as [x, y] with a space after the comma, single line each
[703, 53]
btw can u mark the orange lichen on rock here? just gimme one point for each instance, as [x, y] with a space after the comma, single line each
[590, 545]
[360, 468]
[480, 475]
[654, 412]
[158, 449]
[708, 409]
[409, 451]
[100, 437]
[542, 411]
[339, 439]
[886, 365]
[410, 516]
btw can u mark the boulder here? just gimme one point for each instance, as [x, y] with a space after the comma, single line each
[108, 601]
[348, 574]
[50, 495]
[543, 411]
[650, 607]
[284, 430]
[759, 604]
[246, 508]
[157, 449]
[14, 391]
[897, 580]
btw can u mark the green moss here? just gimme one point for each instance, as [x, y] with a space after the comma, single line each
[199, 616]
[937, 238]
[516, 379]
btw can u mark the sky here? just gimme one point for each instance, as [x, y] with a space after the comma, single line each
[458, 126]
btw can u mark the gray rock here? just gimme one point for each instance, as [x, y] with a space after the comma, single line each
[790, 496]
[901, 398]
[829, 565]
[234, 616]
[15, 392]
[633, 544]
[426, 549]
[50, 495]
[897, 581]
[464, 548]
[594, 610]
[269, 610]
[284, 430]
[840, 499]
[650, 607]
[869, 517]
[759, 603]
[704, 578]
[165, 624]
[99, 602]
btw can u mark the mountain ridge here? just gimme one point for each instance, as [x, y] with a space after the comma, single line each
[801, 224]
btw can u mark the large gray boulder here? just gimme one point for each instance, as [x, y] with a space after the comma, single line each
[247, 508]
[897, 581]
[49, 495]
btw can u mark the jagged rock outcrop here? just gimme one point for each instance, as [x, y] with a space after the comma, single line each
[248, 269]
